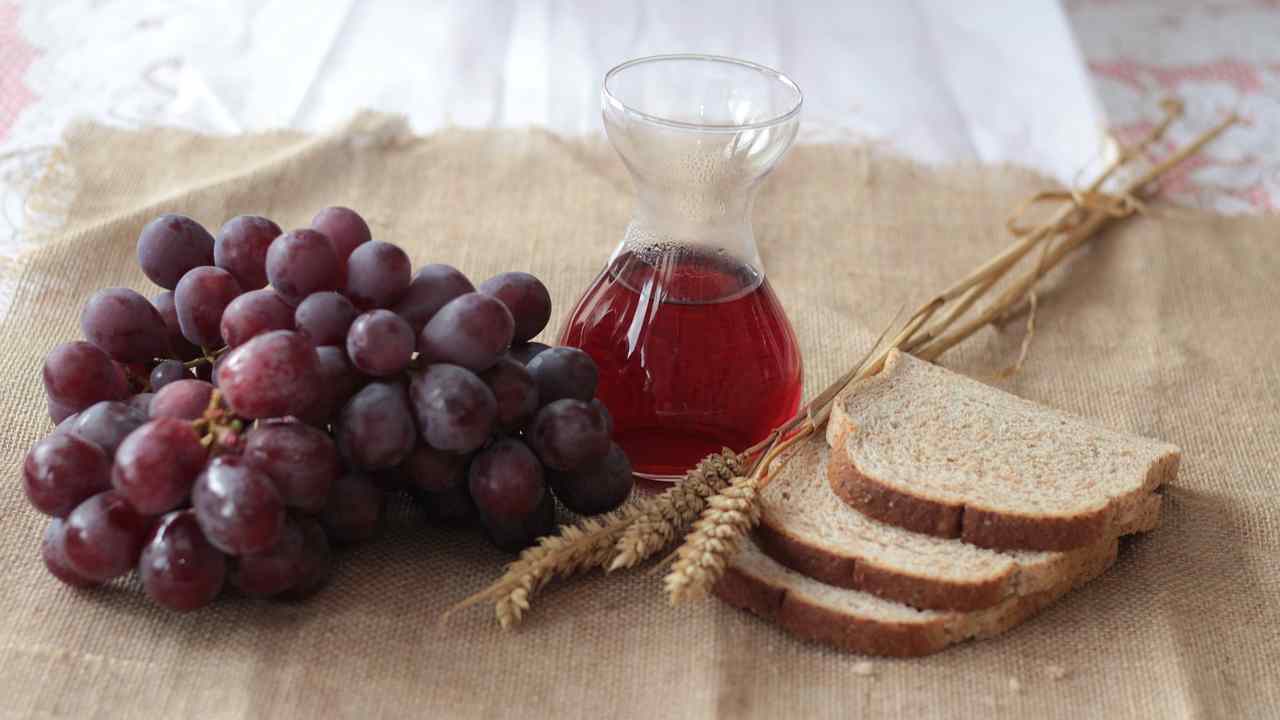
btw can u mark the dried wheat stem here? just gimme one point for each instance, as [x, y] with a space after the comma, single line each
[1095, 215]
[593, 543]
[1015, 292]
[723, 525]
[671, 512]
[573, 549]
[966, 301]
[715, 539]
[1190, 149]
[981, 280]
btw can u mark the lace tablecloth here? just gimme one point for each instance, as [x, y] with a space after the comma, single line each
[1032, 83]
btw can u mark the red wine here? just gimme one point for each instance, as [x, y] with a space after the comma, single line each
[695, 354]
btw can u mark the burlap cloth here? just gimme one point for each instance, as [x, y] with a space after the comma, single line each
[1168, 327]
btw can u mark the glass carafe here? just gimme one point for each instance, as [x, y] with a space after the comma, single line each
[694, 350]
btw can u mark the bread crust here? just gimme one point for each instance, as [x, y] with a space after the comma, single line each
[865, 574]
[807, 617]
[859, 567]
[814, 622]
[997, 529]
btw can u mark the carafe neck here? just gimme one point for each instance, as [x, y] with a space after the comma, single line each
[696, 189]
[694, 219]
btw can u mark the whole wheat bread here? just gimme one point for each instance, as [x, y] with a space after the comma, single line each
[807, 528]
[933, 451]
[861, 622]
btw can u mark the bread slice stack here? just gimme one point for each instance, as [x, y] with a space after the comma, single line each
[944, 510]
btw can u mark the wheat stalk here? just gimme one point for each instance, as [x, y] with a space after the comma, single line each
[724, 524]
[730, 515]
[715, 538]
[672, 511]
[598, 542]
[573, 549]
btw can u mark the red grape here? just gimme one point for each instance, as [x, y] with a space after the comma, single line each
[200, 299]
[354, 510]
[65, 424]
[325, 318]
[517, 533]
[241, 249]
[524, 352]
[170, 246]
[506, 480]
[473, 330]
[253, 314]
[380, 343]
[432, 470]
[142, 402]
[564, 372]
[301, 461]
[168, 371]
[184, 400]
[275, 569]
[302, 262]
[515, 391]
[272, 375]
[53, 552]
[125, 325]
[107, 424]
[179, 568]
[377, 274]
[389, 480]
[316, 560]
[209, 371]
[77, 374]
[451, 507]
[375, 430]
[59, 412]
[338, 381]
[104, 536]
[179, 346]
[156, 465]
[237, 506]
[62, 470]
[527, 299]
[597, 488]
[454, 408]
[604, 414]
[431, 289]
[345, 229]
[136, 375]
[569, 434]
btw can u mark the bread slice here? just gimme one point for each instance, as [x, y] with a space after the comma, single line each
[861, 622]
[932, 451]
[807, 528]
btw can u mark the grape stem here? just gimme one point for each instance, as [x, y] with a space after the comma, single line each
[206, 356]
[220, 430]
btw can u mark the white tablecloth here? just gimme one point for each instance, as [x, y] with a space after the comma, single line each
[1019, 81]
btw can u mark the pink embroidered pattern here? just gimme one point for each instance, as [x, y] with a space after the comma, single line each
[1215, 56]
[1242, 76]
[15, 57]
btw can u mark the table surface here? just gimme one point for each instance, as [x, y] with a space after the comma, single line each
[1029, 82]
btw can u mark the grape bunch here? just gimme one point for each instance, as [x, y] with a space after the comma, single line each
[262, 407]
